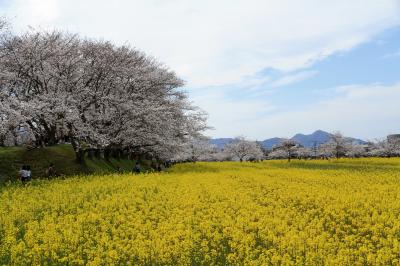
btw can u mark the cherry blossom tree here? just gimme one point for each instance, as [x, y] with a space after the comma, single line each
[277, 154]
[243, 149]
[198, 149]
[97, 95]
[289, 147]
[304, 153]
[338, 144]
[384, 148]
[355, 150]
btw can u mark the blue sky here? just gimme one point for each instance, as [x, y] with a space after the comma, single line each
[260, 68]
[377, 61]
[373, 64]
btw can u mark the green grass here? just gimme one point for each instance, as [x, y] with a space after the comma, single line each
[62, 156]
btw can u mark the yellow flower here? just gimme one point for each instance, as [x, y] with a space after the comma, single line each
[303, 213]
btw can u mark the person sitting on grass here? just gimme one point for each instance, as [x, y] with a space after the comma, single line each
[51, 171]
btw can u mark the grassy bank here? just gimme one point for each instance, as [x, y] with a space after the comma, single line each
[62, 156]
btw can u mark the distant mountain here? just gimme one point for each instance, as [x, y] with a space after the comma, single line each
[357, 141]
[317, 138]
[269, 143]
[220, 142]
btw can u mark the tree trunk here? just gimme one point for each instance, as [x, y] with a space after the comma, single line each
[117, 154]
[79, 152]
[107, 154]
[52, 140]
[80, 156]
[91, 154]
[97, 153]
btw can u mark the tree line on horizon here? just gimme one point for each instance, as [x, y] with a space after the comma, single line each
[338, 146]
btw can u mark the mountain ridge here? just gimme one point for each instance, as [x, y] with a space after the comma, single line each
[316, 138]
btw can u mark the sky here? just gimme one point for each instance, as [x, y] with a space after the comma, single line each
[260, 68]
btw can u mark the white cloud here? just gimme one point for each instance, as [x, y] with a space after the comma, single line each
[211, 43]
[35, 13]
[392, 55]
[293, 78]
[366, 111]
[229, 117]
[219, 42]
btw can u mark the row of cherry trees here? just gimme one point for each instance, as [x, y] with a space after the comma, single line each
[338, 146]
[241, 149]
[98, 96]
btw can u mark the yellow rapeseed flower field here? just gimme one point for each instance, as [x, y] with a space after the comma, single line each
[341, 212]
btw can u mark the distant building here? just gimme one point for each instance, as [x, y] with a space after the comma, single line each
[393, 138]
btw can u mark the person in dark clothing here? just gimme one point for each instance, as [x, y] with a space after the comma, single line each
[51, 171]
[137, 168]
[153, 166]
